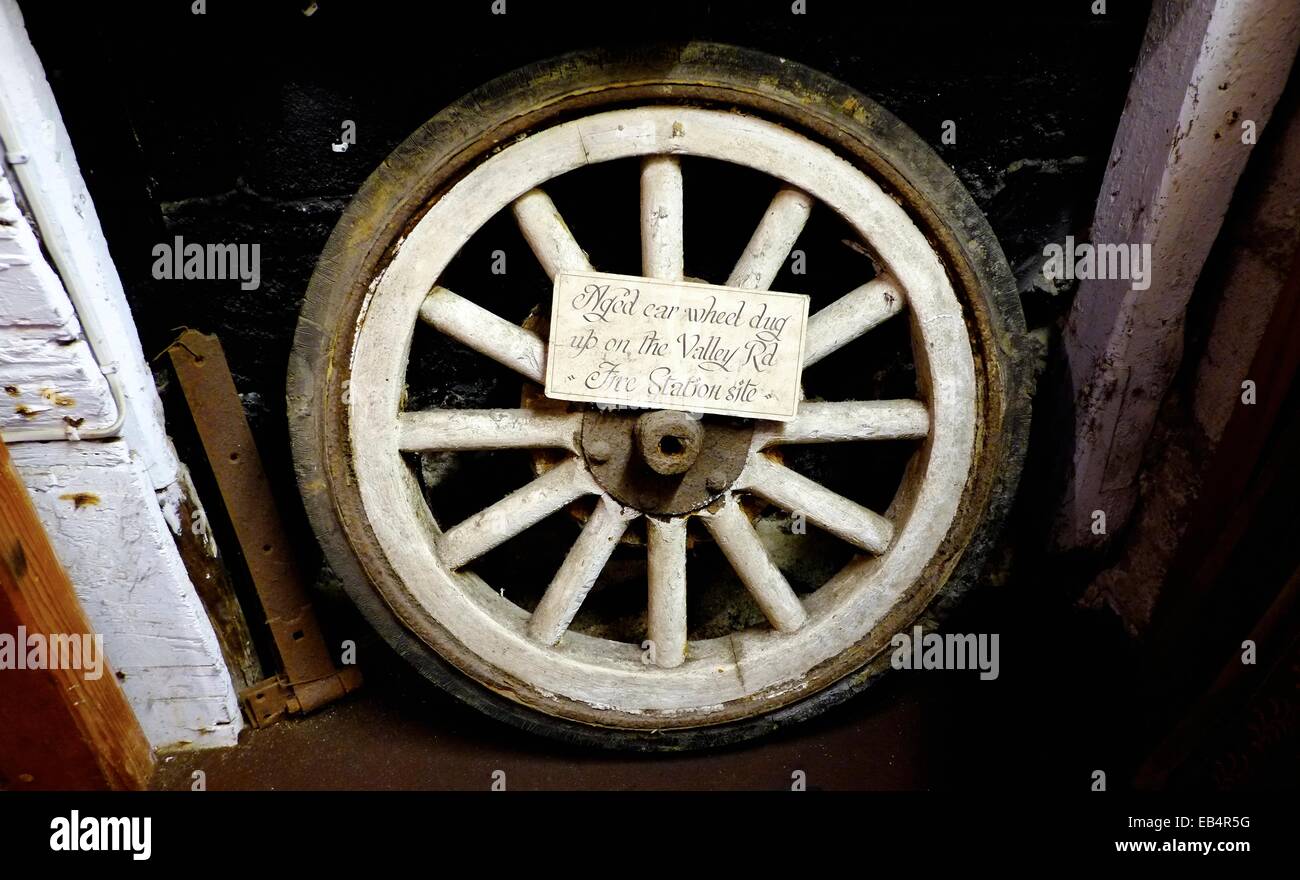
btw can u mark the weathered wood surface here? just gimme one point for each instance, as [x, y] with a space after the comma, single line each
[119, 552]
[48, 375]
[59, 728]
[68, 224]
[1205, 71]
[118, 548]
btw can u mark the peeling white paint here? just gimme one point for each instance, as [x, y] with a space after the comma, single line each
[30, 123]
[110, 507]
[97, 506]
[48, 376]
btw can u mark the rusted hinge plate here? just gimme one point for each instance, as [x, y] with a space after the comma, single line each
[310, 677]
[268, 701]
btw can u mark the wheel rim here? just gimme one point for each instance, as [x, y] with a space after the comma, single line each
[748, 672]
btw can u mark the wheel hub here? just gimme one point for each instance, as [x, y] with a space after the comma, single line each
[664, 462]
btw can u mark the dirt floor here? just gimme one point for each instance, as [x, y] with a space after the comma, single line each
[1047, 722]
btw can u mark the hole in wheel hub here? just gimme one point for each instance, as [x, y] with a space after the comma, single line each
[664, 462]
[668, 442]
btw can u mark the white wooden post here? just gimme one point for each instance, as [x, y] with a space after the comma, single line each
[66, 337]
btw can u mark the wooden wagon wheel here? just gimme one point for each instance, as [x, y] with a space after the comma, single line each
[819, 147]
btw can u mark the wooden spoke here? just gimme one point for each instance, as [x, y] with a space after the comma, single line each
[666, 563]
[836, 514]
[520, 509]
[661, 218]
[836, 422]
[772, 240]
[461, 429]
[521, 350]
[850, 316]
[547, 234]
[579, 571]
[739, 542]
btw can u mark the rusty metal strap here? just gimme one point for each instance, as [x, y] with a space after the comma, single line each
[310, 677]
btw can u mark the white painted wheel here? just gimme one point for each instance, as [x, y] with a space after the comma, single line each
[425, 567]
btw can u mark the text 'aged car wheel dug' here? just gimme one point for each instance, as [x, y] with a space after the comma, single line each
[656, 576]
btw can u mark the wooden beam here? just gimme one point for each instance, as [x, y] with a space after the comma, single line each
[1207, 78]
[59, 728]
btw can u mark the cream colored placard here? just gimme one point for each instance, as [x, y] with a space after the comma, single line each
[628, 341]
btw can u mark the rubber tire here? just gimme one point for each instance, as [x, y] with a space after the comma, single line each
[541, 94]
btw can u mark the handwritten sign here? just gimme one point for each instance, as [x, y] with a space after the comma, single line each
[637, 342]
